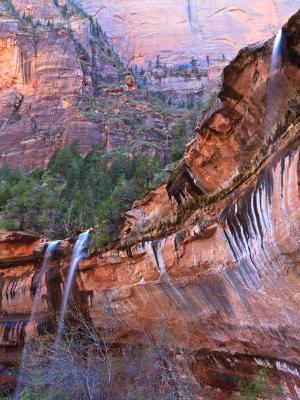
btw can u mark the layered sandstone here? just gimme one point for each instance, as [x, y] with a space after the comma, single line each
[214, 263]
[39, 92]
[227, 289]
[234, 139]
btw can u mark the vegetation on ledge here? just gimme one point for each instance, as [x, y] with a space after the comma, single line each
[75, 192]
[204, 204]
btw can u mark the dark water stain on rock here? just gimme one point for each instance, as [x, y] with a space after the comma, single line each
[184, 183]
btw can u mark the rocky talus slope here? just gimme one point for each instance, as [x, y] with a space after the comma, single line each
[212, 257]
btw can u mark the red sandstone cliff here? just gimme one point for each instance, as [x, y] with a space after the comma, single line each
[213, 256]
[61, 82]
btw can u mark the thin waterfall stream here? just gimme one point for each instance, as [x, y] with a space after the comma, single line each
[279, 51]
[78, 254]
[279, 55]
[37, 297]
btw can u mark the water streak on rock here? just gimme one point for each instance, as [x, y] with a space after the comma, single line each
[37, 298]
[78, 254]
[279, 56]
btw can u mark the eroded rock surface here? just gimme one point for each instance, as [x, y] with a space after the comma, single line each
[62, 82]
[59, 76]
[213, 262]
[235, 138]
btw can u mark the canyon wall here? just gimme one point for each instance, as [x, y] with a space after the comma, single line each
[181, 29]
[41, 83]
[61, 82]
[212, 258]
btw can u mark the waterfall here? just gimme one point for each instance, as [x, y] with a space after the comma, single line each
[278, 52]
[190, 12]
[78, 254]
[279, 55]
[49, 252]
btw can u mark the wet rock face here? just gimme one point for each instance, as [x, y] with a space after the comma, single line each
[231, 288]
[223, 279]
[236, 137]
[228, 290]
[231, 137]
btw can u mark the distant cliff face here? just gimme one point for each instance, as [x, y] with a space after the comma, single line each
[60, 81]
[37, 92]
[180, 29]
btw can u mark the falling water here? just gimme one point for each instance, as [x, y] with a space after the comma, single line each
[78, 254]
[190, 12]
[49, 252]
[278, 52]
[279, 55]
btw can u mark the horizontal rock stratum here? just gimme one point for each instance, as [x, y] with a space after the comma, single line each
[212, 257]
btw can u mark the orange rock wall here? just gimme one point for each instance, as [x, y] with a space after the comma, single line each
[228, 291]
[224, 282]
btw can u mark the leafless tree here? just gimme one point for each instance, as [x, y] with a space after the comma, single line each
[84, 366]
